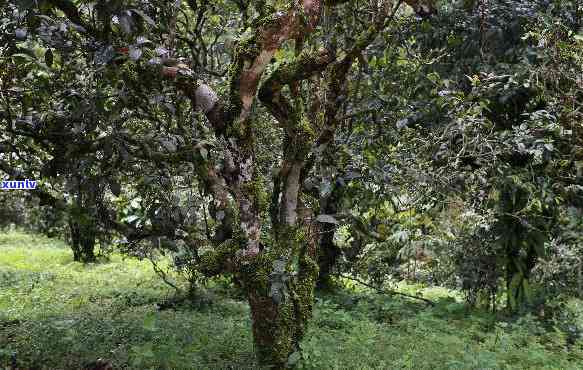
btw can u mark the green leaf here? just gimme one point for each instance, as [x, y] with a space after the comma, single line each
[203, 153]
[293, 358]
[24, 56]
[132, 218]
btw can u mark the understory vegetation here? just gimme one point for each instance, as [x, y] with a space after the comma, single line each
[59, 314]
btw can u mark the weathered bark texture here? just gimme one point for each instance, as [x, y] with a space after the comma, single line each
[278, 274]
[82, 226]
[82, 219]
[281, 304]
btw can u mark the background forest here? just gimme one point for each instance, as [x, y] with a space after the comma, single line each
[313, 184]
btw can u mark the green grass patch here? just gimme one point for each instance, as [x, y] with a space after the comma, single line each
[59, 314]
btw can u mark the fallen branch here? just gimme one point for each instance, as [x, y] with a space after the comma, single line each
[384, 291]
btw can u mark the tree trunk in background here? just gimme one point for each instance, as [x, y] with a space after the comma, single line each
[82, 241]
[83, 229]
[518, 267]
[327, 257]
[75, 239]
[87, 243]
[512, 295]
[328, 250]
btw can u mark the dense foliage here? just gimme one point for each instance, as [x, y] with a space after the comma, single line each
[282, 147]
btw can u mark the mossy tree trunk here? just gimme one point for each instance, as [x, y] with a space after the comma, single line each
[281, 295]
[279, 282]
[278, 274]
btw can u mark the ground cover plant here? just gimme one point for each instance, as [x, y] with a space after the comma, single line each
[56, 313]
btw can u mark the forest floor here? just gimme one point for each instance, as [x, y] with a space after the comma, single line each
[59, 314]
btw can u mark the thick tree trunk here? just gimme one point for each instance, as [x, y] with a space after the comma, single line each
[74, 231]
[277, 328]
[88, 245]
[281, 296]
[279, 282]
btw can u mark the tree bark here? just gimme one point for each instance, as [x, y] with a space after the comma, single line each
[281, 302]
[327, 257]
[82, 225]
[328, 250]
[82, 241]
[279, 283]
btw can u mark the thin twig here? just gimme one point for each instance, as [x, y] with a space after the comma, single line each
[391, 292]
[162, 274]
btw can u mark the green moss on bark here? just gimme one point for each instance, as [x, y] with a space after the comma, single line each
[246, 51]
[255, 189]
[218, 260]
[279, 324]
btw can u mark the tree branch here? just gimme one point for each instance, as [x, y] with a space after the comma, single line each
[301, 68]
[71, 12]
[384, 291]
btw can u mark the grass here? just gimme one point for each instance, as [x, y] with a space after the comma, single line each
[59, 314]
